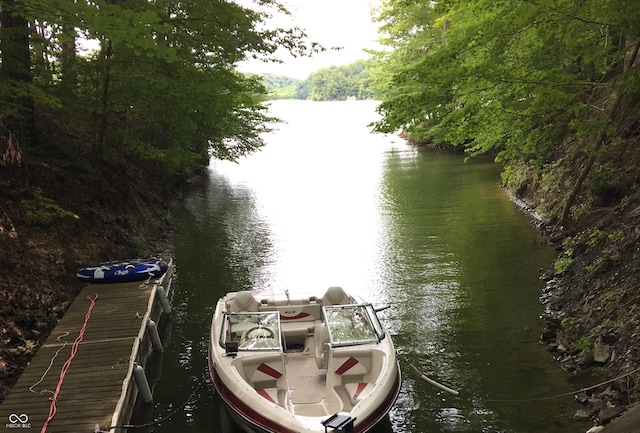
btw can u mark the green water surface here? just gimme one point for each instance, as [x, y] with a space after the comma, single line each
[434, 237]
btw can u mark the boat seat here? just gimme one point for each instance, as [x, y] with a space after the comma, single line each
[358, 390]
[243, 302]
[357, 371]
[266, 374]
[321, 341]
[335, 295]
[274, 395]
[355, 364]
[298, 329]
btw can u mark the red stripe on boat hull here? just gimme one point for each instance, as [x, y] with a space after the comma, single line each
[382, 410]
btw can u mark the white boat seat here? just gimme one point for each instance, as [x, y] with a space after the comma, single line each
[321, 340]
[335, 295]
[358, 391]
[298, 329]
[274, 395]
[357, 370]
[267, 371]
[266, 374]
[243, 302]
[353, 364]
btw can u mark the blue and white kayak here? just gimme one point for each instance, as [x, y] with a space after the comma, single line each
[123, 271]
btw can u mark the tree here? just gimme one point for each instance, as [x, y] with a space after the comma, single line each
[281, 87]
[515, 78]
[325, 84]
[340, 82]
[16, 114]
[162, 84]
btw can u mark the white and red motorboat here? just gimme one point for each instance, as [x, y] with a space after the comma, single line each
[302, 364]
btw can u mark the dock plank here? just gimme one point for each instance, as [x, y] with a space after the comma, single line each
[93, 384]
[627, 423]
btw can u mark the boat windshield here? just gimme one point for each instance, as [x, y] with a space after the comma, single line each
[350, 325]
[251, 331]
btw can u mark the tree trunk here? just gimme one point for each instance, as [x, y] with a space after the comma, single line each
[103, 114]
[68, 59]
[15, 70]
[602, 137]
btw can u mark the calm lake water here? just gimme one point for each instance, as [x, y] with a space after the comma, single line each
[328, 203]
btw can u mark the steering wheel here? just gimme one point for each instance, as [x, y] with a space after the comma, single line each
[259, 332]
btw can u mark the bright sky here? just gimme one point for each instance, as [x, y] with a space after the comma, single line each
[343, 23]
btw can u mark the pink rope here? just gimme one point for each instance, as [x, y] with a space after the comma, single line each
[65, 367]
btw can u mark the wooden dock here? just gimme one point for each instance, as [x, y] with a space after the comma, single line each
[98, 390]
[629, 422]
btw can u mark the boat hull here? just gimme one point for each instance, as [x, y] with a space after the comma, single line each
[253, 422]
[310, 370]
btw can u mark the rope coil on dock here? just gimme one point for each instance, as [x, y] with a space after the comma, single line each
[67, 364]
[53, 359]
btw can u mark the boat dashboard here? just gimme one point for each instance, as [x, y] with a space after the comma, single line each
[251, 331]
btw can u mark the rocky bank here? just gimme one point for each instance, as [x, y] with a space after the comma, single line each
[591, 324]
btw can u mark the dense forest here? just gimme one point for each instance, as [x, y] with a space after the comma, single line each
[516, 79]
[283, 87]
[334, 83]
[159, 83]
[108, 106]
[551, 88]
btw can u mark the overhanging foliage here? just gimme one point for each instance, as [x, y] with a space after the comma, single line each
[502, 75]
[512, 78]
[161, 83]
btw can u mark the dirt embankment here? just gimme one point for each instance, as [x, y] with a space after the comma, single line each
[54, 221]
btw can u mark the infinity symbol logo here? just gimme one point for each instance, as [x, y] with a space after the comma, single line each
[15, 418]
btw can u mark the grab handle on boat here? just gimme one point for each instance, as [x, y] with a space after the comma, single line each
[384, 307]
[432, 382]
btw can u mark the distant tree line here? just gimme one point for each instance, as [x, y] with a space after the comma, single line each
[333, 83]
